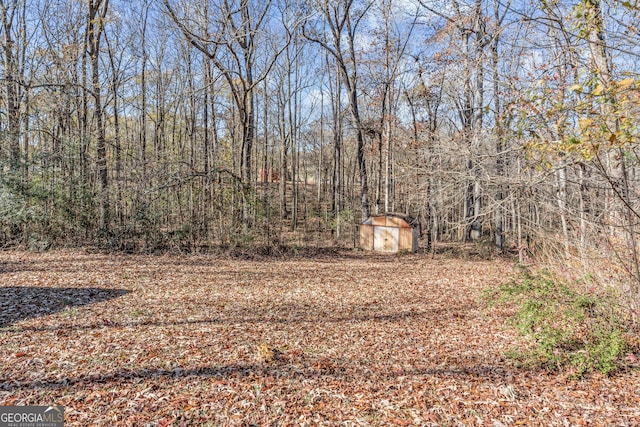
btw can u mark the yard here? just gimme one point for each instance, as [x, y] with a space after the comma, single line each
[333, 339]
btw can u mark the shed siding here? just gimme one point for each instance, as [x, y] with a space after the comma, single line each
[406, 239]
[366, 237]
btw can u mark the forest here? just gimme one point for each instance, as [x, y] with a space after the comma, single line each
[182, 185]
[184, 125]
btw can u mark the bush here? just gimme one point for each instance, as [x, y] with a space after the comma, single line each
[568, 330]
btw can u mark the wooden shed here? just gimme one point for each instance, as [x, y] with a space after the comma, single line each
[390, 232]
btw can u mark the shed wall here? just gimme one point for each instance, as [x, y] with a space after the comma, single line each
[366, 237]
[406, 240]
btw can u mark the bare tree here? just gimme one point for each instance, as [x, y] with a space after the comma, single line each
[231, 46]
[95, 27]
[343, 19]
[13, 30]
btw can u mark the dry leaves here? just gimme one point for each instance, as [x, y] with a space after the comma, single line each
[333, 340]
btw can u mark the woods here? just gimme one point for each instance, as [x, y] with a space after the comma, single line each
[194, 195]
[152, 125]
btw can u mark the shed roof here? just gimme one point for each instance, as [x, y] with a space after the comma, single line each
[411, 222]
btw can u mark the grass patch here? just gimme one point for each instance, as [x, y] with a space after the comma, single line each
[577, 332]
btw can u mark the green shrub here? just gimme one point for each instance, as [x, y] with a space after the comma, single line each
[346, 217]
[566, 329]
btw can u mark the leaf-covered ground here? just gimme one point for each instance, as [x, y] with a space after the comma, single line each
[346, 339]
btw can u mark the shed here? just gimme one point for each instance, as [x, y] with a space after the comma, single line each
[390, 232]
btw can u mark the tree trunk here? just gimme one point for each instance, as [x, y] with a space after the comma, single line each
[561, 198]
[95, 26]
[11, 83]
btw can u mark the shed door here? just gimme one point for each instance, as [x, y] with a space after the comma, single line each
[385, 239]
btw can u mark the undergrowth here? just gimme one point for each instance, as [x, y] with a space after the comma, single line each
[564, 329]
